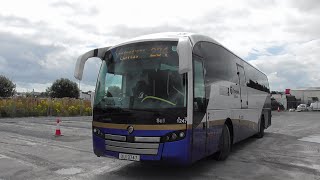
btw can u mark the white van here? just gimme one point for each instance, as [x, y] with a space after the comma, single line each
[315, 106]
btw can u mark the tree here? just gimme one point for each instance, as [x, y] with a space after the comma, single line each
[63, 88]
[7, 88]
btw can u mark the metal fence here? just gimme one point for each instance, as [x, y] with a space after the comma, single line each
[26, 107]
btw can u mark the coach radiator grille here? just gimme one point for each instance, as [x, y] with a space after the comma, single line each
[139, 145]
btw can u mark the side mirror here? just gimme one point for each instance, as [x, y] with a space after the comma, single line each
[184, 50]
[78, 72]
[195, 106]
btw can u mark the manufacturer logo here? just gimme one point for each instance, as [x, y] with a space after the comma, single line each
[130, 129]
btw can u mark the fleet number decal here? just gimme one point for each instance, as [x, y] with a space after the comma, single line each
[181, 120]
[161, 120]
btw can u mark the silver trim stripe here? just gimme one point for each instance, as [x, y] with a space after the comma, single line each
[132, 150]
[132, 145]
[115, 137]
[146, 139]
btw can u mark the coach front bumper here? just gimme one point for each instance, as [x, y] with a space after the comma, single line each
[146, 143]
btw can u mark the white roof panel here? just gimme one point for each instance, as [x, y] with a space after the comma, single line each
[168, 36]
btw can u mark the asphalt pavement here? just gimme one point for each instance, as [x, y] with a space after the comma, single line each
[290, 149]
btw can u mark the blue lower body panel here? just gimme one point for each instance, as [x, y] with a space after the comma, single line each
[175, 153]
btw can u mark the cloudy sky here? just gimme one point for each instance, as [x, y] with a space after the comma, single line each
[40, 40]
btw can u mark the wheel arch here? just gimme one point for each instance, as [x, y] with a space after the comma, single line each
[262, 118]
[228, 122]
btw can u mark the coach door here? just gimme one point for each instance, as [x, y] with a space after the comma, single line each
[243, 87]
[199, 125]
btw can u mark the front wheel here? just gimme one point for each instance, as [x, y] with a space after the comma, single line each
[224, 145]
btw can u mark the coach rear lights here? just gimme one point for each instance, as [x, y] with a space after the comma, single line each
[173, 136]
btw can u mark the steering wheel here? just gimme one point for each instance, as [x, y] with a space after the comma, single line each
[159, 99]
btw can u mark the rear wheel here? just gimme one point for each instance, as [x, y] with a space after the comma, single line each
[261, 129]
[225, 144]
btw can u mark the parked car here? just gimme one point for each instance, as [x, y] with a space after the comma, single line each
[315, 106]
[309, 108]
[302, 107]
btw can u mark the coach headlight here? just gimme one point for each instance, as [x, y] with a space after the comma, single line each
[173, 136]
[182, 134]
[95, 130]
[167, 138]
[98, 132]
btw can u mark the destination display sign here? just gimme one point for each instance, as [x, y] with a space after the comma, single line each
[144, 52]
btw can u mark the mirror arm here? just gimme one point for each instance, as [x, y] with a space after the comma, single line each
[78, 72]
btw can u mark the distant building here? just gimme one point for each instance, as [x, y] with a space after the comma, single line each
[291, 98]
[30, 94]
[288, 101]
[20, 94]
[307, 95]
[85, 95]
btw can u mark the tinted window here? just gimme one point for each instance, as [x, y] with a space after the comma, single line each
[199, 92]
[255, 79]
[198, 80]
[141, 76]
[220, 66]
[219, 62]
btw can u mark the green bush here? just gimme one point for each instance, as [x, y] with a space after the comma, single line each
[25, 107]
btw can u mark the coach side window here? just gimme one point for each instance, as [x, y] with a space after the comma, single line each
[219, 63]
[256, 80]
[199, 91]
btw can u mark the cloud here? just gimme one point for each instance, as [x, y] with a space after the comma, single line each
[24, 57]
[306, 6]
[126, 32]
[14, 21]
[297, 67]
[84, 27]
[27, 62]
[75, 8]
[276, 36]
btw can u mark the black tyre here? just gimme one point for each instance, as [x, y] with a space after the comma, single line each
[261, 129]
[225, 145]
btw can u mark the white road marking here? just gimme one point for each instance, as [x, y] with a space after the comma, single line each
[4, 157]
[311, 166]
[28, 142]
[312, 138]
[105, 169]
[68, 171]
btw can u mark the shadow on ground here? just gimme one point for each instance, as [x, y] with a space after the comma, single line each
[199, 170]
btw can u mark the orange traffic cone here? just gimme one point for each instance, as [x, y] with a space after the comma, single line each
[58, 132]
[278, 109]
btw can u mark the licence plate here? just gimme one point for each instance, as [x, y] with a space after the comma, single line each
[130, 157]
